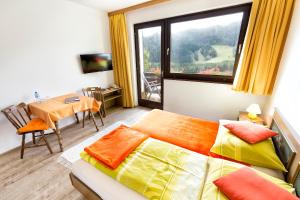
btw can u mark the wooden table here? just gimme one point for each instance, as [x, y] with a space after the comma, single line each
[55, 109]
[109, 97]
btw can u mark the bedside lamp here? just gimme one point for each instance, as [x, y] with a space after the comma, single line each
[253, 110]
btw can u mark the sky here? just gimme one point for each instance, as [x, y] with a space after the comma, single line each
[223, 20]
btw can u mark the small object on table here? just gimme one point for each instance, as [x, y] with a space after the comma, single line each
[72, 99]
[243, 116]
[253, 110]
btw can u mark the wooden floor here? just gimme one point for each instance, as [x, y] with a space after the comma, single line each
[38, 176]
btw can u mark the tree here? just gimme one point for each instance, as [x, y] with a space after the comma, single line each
[146, 57]
[190, 47]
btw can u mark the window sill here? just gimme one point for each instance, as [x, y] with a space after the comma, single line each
[205, 80]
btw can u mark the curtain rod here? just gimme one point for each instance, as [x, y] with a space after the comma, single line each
[137, 6]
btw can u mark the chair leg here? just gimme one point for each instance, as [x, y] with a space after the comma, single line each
[104, 110]
[89, 115]
[58, 134]
[23, 145]
[77, 119]
[101, 118]
[47, 144]
[83, 120]
[33, 138]
[94, 120]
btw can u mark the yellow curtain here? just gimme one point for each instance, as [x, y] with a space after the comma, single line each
[267, 32]
[121, 59]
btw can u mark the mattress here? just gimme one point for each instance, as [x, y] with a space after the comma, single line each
[106, 187]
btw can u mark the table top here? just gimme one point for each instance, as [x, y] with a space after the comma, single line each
[243, 116]
[109, 90]
[54, 109]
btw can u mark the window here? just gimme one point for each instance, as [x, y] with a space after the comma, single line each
[203, 46]
[206, 46]
[149, 50]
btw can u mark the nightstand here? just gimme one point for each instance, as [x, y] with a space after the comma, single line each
[243, 116]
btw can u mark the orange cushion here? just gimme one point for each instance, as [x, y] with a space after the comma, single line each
[33, 125]
[114, 147]
[250, 132]
[245, 184]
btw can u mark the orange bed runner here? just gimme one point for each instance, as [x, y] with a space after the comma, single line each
[184, 131]
[114, 147]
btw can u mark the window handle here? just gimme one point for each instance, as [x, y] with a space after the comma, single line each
[168, 51]
[240, 48]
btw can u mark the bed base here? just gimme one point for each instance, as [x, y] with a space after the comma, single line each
[87, 192]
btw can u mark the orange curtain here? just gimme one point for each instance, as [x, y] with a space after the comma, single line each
[121, 59]
[266, 36]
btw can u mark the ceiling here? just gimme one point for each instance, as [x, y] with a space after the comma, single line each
[109, 5]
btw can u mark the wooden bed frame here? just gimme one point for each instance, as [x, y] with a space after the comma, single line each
[285, 145]
[87, 192]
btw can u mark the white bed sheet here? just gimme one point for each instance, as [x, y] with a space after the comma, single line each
[106, 187]
[272, 172]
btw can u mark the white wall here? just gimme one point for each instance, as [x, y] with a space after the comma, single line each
[286, 95]
[205, 100]
[40, 41]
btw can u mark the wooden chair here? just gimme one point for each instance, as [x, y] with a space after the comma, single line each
[21, 120]
[94, 92]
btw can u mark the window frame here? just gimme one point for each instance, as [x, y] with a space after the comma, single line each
[245, 8]
[137, 27]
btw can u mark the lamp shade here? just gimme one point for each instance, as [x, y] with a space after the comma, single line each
[254, 109]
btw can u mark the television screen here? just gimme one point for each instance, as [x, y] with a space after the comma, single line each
[96, 62]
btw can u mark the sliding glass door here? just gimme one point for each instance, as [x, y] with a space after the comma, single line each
[149, 62]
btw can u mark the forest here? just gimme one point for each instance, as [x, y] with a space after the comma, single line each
[196, 51]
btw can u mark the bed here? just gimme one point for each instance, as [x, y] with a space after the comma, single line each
[87, 179]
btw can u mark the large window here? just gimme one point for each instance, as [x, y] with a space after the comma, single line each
[206, 46]
[203, 46]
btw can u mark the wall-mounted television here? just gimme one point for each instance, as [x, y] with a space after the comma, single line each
[96, 62]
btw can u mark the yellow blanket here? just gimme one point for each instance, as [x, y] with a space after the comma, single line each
[159, 170]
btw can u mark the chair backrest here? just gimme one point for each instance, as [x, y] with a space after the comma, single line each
[17, 115]
[146, 83]
[94, 92]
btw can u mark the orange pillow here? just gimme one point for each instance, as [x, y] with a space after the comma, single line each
[245, 184]
[250, 132]
[114, 147]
